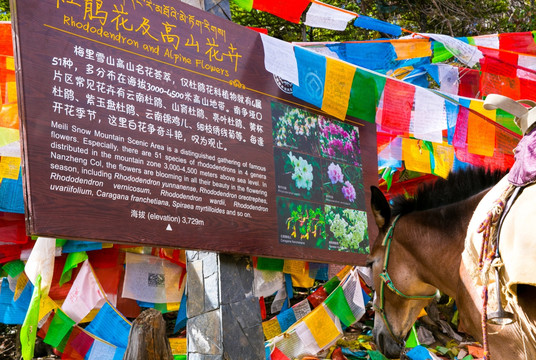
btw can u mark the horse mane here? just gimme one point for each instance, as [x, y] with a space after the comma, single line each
[458, 186]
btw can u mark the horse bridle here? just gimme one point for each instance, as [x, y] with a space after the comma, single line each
[386, 280]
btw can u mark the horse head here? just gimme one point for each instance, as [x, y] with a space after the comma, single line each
[400, 293]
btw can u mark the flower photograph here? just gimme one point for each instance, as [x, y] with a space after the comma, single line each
[343, 185]
[294, 128]
[346, 229]
[339, 141]
[297, 175]
[301, 223]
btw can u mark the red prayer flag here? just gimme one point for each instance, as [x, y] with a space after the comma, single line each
[317, 297]
[262, 305]
[288, 10]
[278, 355]
[71, 352]
[491, 83]
[469, 83]
[521, 42]
[398, 100]
[499, 62]
[259, 30]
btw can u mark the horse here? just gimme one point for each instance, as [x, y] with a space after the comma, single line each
[418, 251]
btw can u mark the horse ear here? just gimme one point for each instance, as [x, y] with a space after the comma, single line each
[380, 208]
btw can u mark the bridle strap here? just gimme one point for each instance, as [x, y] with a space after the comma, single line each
[386, 280]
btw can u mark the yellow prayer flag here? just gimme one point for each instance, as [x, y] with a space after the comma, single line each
[8, 136]
[46, 306]
[345, 270]
[339, 78]
[415, 156]
[296, 267]
[443, 159]
[21, 284]
[480, 133]
[9, 167]
[178, 346]
[271, 328]
[90, 316]
[11, 92]
[412, 48]
[173, 306]
[321, 326]
[10, 63]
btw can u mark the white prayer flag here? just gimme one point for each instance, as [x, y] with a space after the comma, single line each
[430, 116]
[529, 62]
[449, 78]
[279, 59]
[328, 17]
[266, 282]
[41, 261]
[152, 279]
[84, 295]
[101, 350]
[307, 338]
[489, 41]
[468, 54]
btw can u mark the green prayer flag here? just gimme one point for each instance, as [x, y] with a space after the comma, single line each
[28, 330]
[180, 357]
[60, 242]
[59, 327]
[14, 268]
[412, 340]
[331, 284]
[244, 4]
[72, 261]
[365, 94]
[376, 355]
[270, 264]
[338, 304]
[440, 52]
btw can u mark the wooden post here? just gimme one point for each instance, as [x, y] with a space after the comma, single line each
[147, 339]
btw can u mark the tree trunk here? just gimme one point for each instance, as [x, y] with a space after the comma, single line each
[147, 339]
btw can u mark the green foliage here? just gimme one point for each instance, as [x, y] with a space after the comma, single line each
[5, 11]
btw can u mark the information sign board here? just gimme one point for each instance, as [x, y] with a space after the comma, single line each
[155, 123]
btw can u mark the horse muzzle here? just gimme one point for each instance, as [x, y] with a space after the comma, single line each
[385, 342]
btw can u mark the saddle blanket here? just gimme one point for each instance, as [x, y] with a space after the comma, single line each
[516, 243]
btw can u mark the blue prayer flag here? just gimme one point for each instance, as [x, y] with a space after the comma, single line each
[110, 326]
[11, 199]
[312, 76]
[181, 316]
[72, 246]
[369, 23]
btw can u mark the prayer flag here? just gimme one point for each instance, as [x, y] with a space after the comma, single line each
[460, 134]
[469, 55]
[77, 344]
[111, 326]
[271, 328]
[75, 246]
[151, 279]
[521, 42]
[286, 319]
[322, 326]
[180, 323]
[328, 17]
[443, 160]
[489, 41]
[397, 105]
[337, 303]
[448, 78]
[73, 259]
[412, 48]
[319, 271]
[416, 156]
[369, 23]
[312, 76]
[278, 355]
[301, 309]
[11, 199]
[270, 264]
[354, 295]
[13, 268]
[375, 56]
[288, 10]
[480, 133]
[9, 167]
[339, 78]
[59, 328]
[307, 338]
[429, 117]
[41, 261]
[412, 340]
[267, 283]
[101, 350]
[279, 59]
[28, 331]
[84, 295]
[317, 297]
[365, 94]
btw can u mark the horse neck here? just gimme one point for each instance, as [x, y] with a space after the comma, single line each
[437, 240]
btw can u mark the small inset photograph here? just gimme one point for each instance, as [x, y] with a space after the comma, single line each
[294, 128]
[300, 223]
[297, 175]
[343, 184]
[346, 230]
[339, 141]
